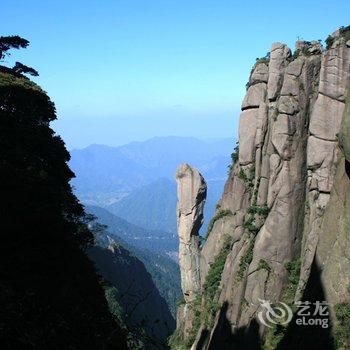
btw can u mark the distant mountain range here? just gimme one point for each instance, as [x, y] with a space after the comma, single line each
[153, 206]
[136, 181]
[157, 241]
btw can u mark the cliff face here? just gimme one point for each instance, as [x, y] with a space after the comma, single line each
[280, 232]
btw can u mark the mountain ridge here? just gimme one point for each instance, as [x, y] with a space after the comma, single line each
[105, 174]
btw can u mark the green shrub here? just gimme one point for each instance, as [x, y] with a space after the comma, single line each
[344, 33]
[212, 283]
[204, 308]
[235, 153]
[176, 342]
[197, 310]
[306, 47]
[248, 179]
[293, 269]
[242, 175]
[342, 329]
[213, 278]
[262, 60]
[265, 59]
[296, 54]
[264, 265]
[276, 333]
[274, 336]
[244, 304]
[329, 41]
[116, 310]
[262, 210]
[234, 157]
[245, 261]
[250, 226]
[211, 307]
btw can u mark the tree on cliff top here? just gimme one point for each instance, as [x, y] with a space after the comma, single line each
[20, 68]
[11, 42]
[15, 42]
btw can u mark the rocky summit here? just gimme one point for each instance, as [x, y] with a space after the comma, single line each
[281, 229]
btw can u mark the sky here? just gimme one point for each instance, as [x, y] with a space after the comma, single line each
[127, 70]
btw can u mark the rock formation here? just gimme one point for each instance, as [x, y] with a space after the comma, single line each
[283, 220]
[192, 192]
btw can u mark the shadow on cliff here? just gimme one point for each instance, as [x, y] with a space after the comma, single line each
[246, 338]
[310, 336]
[296, 336]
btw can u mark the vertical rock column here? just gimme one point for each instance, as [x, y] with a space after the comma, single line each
[192, 192]
[322, 151]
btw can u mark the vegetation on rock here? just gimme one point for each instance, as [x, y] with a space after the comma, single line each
[342, 329]
[344, 32]
[234, 157]
[264, 59]
[11, 42]
[293, 269]
[212, 281]
[20, 68]
[245, 261]
[276, 333]
[264, 265]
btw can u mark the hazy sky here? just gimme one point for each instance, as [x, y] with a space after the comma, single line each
[124, 70]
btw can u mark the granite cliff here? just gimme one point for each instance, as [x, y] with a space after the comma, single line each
[281, 229]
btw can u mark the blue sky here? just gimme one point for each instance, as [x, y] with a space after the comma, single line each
[125, 70]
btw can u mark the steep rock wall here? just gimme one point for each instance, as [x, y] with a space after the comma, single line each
[284, 205]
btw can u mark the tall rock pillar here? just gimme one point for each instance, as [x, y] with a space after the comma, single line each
[192, 192]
